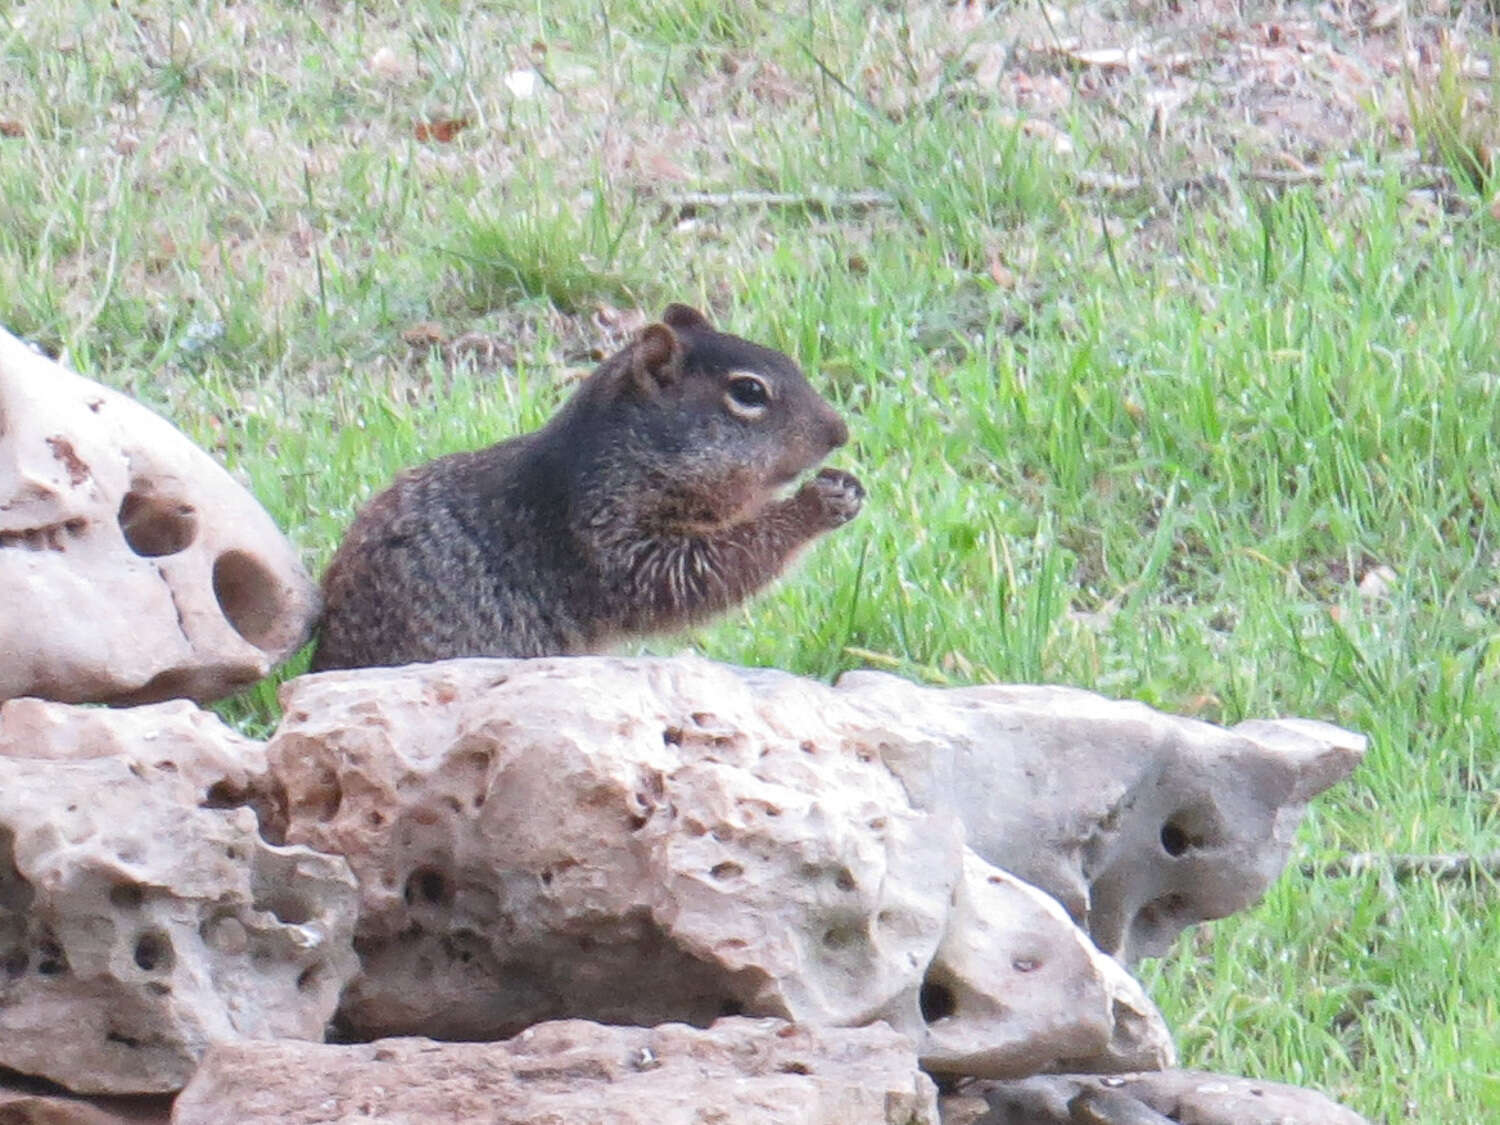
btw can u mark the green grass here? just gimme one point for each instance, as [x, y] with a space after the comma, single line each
[1153, 458]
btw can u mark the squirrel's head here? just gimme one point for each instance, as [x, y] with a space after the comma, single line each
[719, 423]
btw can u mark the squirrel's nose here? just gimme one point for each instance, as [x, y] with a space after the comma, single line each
[835, 432]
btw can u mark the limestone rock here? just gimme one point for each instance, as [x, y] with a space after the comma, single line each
[1168, 1097]
[141, 917]
[132, 567]
[1028, 991]
[1139, 823]
[652, 840]
[750, 1072]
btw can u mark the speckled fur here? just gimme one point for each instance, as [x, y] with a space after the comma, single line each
[646, 503]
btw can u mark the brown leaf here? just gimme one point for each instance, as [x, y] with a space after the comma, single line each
[424, 334]
[441, 129]
[659, 166]
[1001, 274]
[12, 129]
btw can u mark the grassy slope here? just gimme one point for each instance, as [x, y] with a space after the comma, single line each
[1155, 461]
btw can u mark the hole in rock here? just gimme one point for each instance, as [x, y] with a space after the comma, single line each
[844, 935]
[726, 870]
[429, 885]
[113, 1036]
[51, 961]
[307, 979]
[844, 880]
[126, 896]
[157, 525]
[251, 599]
[794, 1068]
[672, 736]
[731, 1008]
[224, 795]
[936, 1001]
[320, 794]
[290, 909]
[1174, 840]
[153, 952]
[1192, 828]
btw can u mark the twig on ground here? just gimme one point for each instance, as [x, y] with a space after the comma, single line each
[1405, 868]
[687, 204]
[1423, 174]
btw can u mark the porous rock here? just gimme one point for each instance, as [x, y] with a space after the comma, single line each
[750, 1072]
[1140, 823]
[133, 568]
[142, 916]
[1167, 1097]
[637, 841]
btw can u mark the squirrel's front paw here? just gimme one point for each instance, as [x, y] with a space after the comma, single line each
[839, 496]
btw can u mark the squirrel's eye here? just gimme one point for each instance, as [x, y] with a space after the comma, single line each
[748, 395]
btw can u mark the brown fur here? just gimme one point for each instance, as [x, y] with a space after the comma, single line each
[646, 503]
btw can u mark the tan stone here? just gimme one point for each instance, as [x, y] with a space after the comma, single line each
[132, 566]
[638, 841]
[142, 916]
[738, 1072]
[1140, 823]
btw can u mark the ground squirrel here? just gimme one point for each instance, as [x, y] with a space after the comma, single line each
[647, 503]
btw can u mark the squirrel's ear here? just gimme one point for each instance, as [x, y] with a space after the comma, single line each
[686, 318]
[656, 358]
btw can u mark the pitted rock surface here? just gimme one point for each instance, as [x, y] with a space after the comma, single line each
[1140, 823]
[749, 1072]
[648, 840]
[133, 568]
[141, 919]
